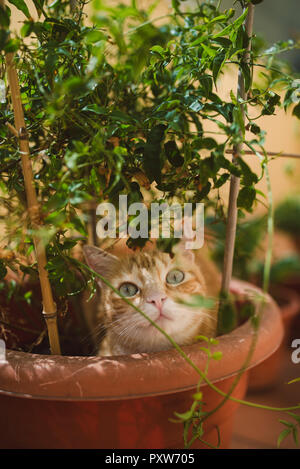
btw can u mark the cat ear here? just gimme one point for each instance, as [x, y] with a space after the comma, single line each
[100, 261]
[181, 251]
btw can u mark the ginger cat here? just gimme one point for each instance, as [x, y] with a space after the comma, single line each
[158, 284]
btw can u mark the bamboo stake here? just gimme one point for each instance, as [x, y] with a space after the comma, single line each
[49, 306]
[234, 180]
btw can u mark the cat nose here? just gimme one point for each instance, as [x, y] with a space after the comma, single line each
[157, 301]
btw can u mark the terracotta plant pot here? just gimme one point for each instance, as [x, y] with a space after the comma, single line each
[125, 401]
[267, 374]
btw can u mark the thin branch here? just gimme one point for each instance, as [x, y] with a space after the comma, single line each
[268, 153]
[12, 129]
[235, 181]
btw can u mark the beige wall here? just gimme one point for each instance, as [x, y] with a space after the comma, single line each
[283, 131]
[282, 135]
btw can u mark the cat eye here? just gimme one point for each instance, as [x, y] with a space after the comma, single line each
[174, 277]
[128, 289]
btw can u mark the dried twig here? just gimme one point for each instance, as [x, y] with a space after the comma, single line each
[49, 306]
[269, 153]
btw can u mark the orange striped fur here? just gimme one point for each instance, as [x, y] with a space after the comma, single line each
[127, 331]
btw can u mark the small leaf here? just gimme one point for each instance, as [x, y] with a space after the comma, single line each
[217, 356]
[152, 153]
[21, 5]
[295, 436]
[255, 129]
[3, 270]
[199, 301]
[12, 45]
[246, 197]
[185, 416]
[249, 177]
[95, 108]
[218, 62]
[296, 380]
[283, 435]
[221, 181]
[198, 396]
[158, 50]
[234, 26]
[173, 154]
[296, 111]
[246, 70]
[202, 337]
[4, 17]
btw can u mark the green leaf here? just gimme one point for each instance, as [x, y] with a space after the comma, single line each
[3, 270]
[208, 143]
[4, 17]
[246, 70]
[217, 356]
[27, 28]
[296, 380]
[21, 5]
[78, 225]
[39, 5]
[158, 50]
[221, 181]
[199, 40]
[234, 26]
[283, 435]
[203, 193]
[173, 154]
[95, 36]
[255, 129]
[12, 45]
[96, 109]
[218, 63]
[246, 197]
[296, 111]
[198, 396]
[3, 38]
[295, 436]
[199, 301]
[152, 153]
[185, 416]
[249, 177]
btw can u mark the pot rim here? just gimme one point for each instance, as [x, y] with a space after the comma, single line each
[69, 378]
[292, 307]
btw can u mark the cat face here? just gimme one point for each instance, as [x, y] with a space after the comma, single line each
[158, 285]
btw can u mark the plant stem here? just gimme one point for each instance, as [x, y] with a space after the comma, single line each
[49, 306]
[181, 351]
[268, 153]
[235, 181]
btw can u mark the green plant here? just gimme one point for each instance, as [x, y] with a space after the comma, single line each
[287, 216]
[247, 263]
[121, 107]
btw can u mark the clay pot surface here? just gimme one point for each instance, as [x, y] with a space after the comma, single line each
[126, 401]
[267, 374]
